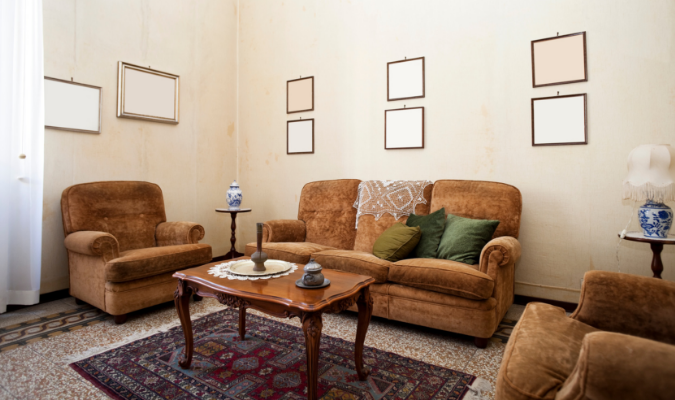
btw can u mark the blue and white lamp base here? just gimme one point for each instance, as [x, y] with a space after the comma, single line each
[655, 219]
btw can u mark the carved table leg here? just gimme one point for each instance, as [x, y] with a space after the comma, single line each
[312, 325]
[365, 305]
[242, 322]
[182, 301]
[657, 264]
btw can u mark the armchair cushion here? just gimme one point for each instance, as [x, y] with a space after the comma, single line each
[142, 263]
[613, 366]
[356, 262]
[298, 253]
[541, 353]
[284, 230]
[93, 243]
[174, 233]
[442, 276]
[629, 304]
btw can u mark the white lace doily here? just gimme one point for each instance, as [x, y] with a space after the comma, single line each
[397, 198]
[223, 271]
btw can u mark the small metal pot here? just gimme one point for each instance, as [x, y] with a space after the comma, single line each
[313, 275]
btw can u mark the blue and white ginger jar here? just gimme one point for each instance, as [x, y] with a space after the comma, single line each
[234, 196]
[655, 219]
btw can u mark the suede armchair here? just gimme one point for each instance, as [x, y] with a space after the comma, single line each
[121, 250]
[441, 294]
[618, 344]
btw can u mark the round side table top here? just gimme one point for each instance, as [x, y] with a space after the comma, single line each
[233, 210]
[640, 237]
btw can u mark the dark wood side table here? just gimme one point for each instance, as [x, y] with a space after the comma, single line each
[280, 297]
[656, 245]
[233, 213]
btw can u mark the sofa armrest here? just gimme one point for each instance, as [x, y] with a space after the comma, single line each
[175, 233]
[498, 252]
[615, 366]
[284, 230]
[630, 304]
[93, 243]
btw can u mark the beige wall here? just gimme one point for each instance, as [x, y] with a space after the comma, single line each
[477, 107]
[194, 161]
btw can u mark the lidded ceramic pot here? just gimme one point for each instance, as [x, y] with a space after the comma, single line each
[234, 196]
[313, 275]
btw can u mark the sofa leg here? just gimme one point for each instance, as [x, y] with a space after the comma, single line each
[79, 302]
[197, 297]
[480, 342]
[120, 319]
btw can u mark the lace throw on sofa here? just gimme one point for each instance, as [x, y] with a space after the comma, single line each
[397, 198]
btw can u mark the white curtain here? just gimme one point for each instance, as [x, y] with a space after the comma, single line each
[21, 134]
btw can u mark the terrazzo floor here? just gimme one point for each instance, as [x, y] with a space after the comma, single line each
[40, 370]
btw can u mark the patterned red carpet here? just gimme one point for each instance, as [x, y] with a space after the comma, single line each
[269, 364]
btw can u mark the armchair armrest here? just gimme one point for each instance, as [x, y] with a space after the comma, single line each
[630, 304]
[498, 252]
[93, 243]
[284, 230]
[175, 233]
[615, 366]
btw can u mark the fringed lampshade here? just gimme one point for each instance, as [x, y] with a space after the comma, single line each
[651, 177]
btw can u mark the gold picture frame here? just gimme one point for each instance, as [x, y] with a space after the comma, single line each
[147, 94]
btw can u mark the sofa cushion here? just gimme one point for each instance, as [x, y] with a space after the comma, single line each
[356, 262]
[143, 263]
[464, 238]
[541, 353]
[442, 276]
[294, 252]
[397, 242]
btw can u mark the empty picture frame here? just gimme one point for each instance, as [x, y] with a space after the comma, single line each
[300, 136]
[559, 120]
[72, 106]
[404, 128]
[559, 60]
[300, 95]
[405, 79]
[148, 94]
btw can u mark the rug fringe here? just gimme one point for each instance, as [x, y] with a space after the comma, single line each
[478, 390]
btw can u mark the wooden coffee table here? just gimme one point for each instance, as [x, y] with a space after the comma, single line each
[280, 297]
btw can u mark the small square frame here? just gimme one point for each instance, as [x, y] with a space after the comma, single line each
[288, 95]
[563, 37]
[288, 136]
[385, 128]
[389, 64]
[585, 141]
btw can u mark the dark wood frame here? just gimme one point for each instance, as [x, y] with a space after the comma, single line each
[288, 123]
[100, 101]
[287, 89]
[534, 85]
[584, 95]
[424, 83]
[385, 129]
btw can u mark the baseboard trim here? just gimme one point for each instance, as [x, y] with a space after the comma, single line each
[219, 258]
[523, 300]
[44, 298]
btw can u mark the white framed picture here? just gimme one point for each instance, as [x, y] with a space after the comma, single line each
[72, 106]
[300, 136]
[559, 120]
[148, 94]
[405, 79]
[404, 128]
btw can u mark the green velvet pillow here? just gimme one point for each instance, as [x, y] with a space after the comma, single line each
[464, 238]
[397, 242]
[432, 227]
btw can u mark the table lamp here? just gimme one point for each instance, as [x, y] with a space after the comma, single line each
[651, 172]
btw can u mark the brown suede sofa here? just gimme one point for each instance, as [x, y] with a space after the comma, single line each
[618, 344]
[441, 294]
[121, 250]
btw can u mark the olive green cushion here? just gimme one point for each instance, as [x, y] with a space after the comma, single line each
[397, 242]
[464, 238]
[432, 227]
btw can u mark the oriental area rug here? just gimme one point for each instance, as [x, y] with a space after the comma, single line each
[269, 364]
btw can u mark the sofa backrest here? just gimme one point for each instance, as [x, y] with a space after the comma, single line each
[370, 229]
[480, 200]
[327, 207]
[128, 210]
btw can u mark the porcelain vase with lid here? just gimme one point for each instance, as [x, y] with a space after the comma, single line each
[234, 196]
[655, 219]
